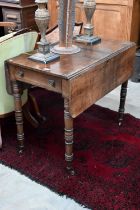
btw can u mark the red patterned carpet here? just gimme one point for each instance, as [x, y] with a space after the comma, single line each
[107, 158]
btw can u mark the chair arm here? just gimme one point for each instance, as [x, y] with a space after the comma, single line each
[10, 25]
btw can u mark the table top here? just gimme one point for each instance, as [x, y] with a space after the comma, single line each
[69, 66]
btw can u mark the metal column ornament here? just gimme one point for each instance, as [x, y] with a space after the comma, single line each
[88, 37]
[66, 22]
[42, 18]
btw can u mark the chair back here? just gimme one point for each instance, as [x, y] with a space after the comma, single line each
[11, 46]
[52, 34]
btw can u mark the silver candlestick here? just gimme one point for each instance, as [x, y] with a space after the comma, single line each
[66, 22]
[42, 18]
[88, 37]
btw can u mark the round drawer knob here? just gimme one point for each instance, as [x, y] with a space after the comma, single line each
[20, 73]
[51, 82]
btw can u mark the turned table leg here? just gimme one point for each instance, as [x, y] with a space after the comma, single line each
[68, 137]
[18, 115]
[122, 101]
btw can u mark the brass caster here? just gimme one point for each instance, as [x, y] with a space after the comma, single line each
[70, 171]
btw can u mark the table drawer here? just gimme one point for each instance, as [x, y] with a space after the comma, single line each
[38, 79]
[11, 15]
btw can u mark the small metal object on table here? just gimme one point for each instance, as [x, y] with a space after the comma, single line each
[66, 22]
[88, 37]
[42, 20]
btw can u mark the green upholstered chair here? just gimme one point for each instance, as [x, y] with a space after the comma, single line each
[11, 46]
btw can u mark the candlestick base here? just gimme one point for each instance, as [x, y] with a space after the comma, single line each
[44, 58]
[65, 50]
[43, 47]
[87, 39]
